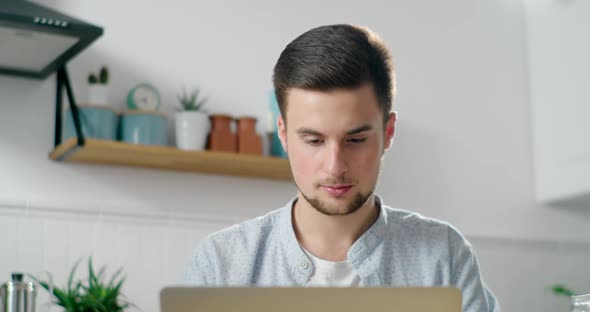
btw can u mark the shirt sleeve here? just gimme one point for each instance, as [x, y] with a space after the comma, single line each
[465, 275]
[199, 271]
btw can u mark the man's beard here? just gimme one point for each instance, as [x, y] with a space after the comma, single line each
[323, 207]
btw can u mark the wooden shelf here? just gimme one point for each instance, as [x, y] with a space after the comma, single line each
[169, 158]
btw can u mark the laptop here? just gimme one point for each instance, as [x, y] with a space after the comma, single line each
[195, 299]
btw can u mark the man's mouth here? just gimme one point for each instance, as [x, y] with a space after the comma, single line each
[336, 190]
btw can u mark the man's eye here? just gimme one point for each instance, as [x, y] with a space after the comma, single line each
[357, 140]
[314, 141]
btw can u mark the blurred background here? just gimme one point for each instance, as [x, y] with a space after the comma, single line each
[491, 136]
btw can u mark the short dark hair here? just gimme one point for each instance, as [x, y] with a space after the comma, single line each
[336, 56]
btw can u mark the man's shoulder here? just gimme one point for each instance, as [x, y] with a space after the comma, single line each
[405, 218]
[246, 231]
[414, 225]
[230, 251]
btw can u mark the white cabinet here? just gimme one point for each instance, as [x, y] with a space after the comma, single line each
[558, 44]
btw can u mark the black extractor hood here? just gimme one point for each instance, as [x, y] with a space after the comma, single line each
[36, 41]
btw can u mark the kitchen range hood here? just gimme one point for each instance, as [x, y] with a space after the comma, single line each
[36, 41]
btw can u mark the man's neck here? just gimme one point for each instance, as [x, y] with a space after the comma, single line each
[330, 237]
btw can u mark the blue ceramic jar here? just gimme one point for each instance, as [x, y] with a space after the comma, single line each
[143, 127]
[97, 122]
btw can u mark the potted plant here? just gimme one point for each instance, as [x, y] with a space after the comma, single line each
[92, 294]
[578, 302]
[191, 122]
[98, 90]
[562, 290]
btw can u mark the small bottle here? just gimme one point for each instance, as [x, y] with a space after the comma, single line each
[581, 303]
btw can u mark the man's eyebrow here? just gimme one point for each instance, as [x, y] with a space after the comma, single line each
[360, 129]
[307, 131]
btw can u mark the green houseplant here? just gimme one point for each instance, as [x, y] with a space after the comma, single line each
[578, 301]
[191, 101]
[191, 122]
[91, 294]
[98, 90]
[562, 290]
[103, 77]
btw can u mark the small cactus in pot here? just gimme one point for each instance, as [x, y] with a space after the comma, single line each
[98, 92]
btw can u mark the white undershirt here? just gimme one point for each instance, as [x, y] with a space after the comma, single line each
[332, 274]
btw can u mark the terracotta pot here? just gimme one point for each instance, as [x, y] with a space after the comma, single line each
[249, 142]
[221, 138]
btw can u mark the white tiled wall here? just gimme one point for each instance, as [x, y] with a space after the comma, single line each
[154, 251]
[520, 272]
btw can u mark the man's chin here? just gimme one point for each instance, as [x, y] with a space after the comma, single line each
[338, 205]
[330, 210]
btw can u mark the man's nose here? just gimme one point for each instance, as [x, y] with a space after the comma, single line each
[336, 165]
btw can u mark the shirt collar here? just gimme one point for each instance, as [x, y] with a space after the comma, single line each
[365, 244]
[301, 265]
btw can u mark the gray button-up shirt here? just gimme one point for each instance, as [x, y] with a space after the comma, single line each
[400, 249]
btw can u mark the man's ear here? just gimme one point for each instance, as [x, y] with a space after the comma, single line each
[389, 130]
[282, 132]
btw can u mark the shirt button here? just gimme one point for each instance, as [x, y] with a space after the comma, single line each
[304, 265]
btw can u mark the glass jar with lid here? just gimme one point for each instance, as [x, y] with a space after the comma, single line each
[581, 303]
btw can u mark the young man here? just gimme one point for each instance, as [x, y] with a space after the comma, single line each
[335, 87]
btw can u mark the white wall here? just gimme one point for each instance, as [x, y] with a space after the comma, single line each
[462, 151]
[559, 67]
[520, 273]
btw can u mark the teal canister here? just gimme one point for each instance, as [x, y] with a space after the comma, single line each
[97, 122]
[143, 127]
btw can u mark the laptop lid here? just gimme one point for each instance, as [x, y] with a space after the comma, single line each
[195, 299]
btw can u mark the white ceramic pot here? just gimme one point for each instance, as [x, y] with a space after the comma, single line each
[192, 129]
[98, 94]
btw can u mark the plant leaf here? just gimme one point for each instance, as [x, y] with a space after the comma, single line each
[562, 290]
[91, 294]
[71, 278]
[114, 277]
[91, 276]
